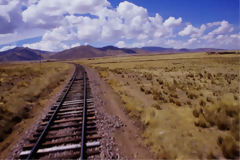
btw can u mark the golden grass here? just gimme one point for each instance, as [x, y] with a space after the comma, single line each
[22, 86]
[186, 102]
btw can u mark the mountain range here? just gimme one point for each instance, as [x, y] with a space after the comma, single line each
[28, 54]
[22, 54]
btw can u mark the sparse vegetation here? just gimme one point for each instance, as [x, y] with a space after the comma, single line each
[190, 99]
[22, 86]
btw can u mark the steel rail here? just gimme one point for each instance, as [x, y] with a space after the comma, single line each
[84, 117]
[38, 143]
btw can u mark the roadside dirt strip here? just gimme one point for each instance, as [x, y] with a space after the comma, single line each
[120, 135]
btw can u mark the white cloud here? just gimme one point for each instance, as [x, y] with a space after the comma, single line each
[224, 27]
[7, 48]
[21, 34]
[5, 9]
[111, 25]
[10, 16]
[62, 23]
[48, 45]
[89, 29]
[57, 34]
[121, 44]
[48, 14]
[194, 32]
[75, 45]
[171, 22]
[129, 11]
[213, 24]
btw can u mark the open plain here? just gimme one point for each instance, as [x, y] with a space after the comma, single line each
[173, 106]
[186, 106]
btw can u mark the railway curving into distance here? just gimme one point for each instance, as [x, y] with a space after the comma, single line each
[69, 129]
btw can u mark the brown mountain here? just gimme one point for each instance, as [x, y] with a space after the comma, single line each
[153, 49]
[27, 54]
[21, 54]
[90, 52]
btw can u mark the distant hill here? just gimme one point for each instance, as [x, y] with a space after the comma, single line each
[158, 49]
[90, 52]
[27, 54]
[173, 50]
[21, 54]
[113, 48]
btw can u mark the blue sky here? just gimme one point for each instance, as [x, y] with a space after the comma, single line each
[132, 23]
[194, 11]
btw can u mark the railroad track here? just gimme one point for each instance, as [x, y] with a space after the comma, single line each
[69, 130]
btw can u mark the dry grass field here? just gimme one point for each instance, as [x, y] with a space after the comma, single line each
[188, 104]
[24, 85]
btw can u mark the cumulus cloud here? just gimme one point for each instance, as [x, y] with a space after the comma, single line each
[127, 21]
[10, 16]
[121, 44]
[7, 48]
[171, 22]
[48, 14]
[193, 31]
[225, 27]
[48, 45]
[64, 23]
[75, 45]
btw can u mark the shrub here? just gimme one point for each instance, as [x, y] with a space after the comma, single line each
[157, 106]
[165, 92]
[160, 81]
[227, 102]
[157, 95]
[148, 76]
[200, 75]
[148, 91]
[236, 97]
[178, 103]
[202, 103]
[209, 76]
[209, 99]
[189, 102]
[210, 114]
[222, 122]
[103, 74]
[192, 95]
[190, 75]
[175, 82]
[195, 112]
[174, 95]
[171, 100]
[201, 122]
[102, 68]
[235, 128]
[171, 86]
[142, 88]
[22, 84]
[118, 70]
[16, 119]
[229, 147]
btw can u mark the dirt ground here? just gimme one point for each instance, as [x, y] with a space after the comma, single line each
[12, 145]
[127, 137]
